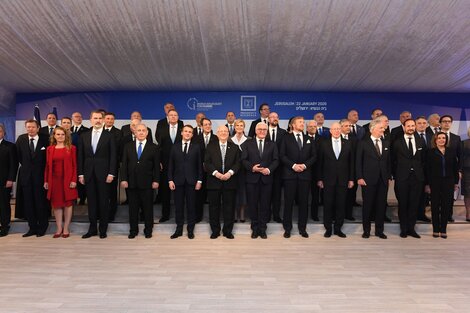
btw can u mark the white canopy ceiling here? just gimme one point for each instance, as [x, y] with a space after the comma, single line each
[363, 45]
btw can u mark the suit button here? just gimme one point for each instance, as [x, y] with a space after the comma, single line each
[138, 162]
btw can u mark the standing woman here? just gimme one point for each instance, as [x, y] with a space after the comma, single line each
[465, 183]
[240, 202]
[443, 178]
[60, 179]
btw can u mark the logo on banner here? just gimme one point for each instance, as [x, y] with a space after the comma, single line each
[192, 103]
[248, 103]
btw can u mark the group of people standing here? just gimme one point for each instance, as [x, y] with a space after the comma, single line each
[234, 171]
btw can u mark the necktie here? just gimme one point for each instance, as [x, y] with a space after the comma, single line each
[377, 146]
[173, 134]
[223, 157]
[436, 130]
[299, 142]
[353, 129]
[185, 150]
[410, 146]
[198, 130]
[260, 148]
[31, 145]
[139, 150]
[265, 121]
[336, 148]
[206, 140]
[94, 141]
[231, 129]
[273, 137]
[423, 138]
[320, 131]
[51, 130]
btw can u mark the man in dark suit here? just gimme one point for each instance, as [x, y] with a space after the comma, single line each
[298, 155]
[230, 118]
[164, 122]
[77, 126]
[276, 133]
[373, 172]
[260, 159]
[398, 131]
[357, 131]
[51, 120]
[127, 131]
[77, 130]
[166, 138]
[96, 170]
[455, 143]
[222, 163]
[426, 139]
[314, 190]
[109, 119]
[408, 156]
[336, 176]
[375, 114]
[264, 111]
[346, 131]
[141, 176]
[434, 125]
[31, 151]
[322, 131]
[9, 162]
[197, 130]
[184, 179]
[203, 140]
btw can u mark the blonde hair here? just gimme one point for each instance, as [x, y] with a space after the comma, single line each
[68, 137]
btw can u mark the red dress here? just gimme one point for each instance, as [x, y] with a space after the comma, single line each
[60, 159]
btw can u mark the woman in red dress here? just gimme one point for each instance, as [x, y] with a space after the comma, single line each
[60, 179]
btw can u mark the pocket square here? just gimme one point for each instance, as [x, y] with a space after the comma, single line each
[385, 148]
[43, 148]
[420, 148]
[308, 141]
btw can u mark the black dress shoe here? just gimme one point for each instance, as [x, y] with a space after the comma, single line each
[340, 234]
[3, 233]
[41, 234]
[403, 234]
[424, 219]
[163, 219]
[381, 236]
[450, 220]
[387, 219]
[365, 235]
[103, 235]
[287, 234]
[229, 236]
[176, 235]
[327, 234]
[468, 219]
[131, 236]
[316, 219]
[29, 234]
[263, 235]
[303, 234]
[414, 234]
[254, 235]
[214, 236]
[89, 235]
[191, 235]
[148, 236]
[350, 218]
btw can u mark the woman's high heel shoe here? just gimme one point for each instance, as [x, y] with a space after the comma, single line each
[56, 235]
[435, 235]
[64, 235]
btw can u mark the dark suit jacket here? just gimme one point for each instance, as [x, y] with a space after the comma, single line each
[250, 156]
[290, 155]
[32, 166]
[403, 162]
[430, 131]
[213, 162]
[117, 138]
[233, 129]
[279, 136]
[126, 131]
[103, 162]
[251, 132]
[434, 168]
[185, 168]
[455, 143]
[141, 173]
[200, 141]
[367, 131]
[8, 161]
[165, 143]
[332, 171]
[45, 130]
[315, 168]
[465, 154]
[369, 165]
[325, 133]
[163, 123]
[360, 132]
[396, 133]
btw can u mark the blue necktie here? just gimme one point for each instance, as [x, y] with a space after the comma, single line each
[139, 150]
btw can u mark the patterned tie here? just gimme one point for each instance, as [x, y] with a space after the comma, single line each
[336, 148]
[260, 148]
[94, 141]
[377, 146]
[31, 145]
[299, 142]
[173, 133]
[222, 150]
[139, 150]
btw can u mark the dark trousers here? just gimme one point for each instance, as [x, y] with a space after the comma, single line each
[36, 208]
[185, 194]
[296, 190]
[201, 197]
[408, 193]
[350, 201]
[81, 193]
[334, 205]
[374, 199]
[315, 191]
[5, 208]
[442, 197]
[259, 202]
[276, 194]
[113, 186]
[423, 202]
[221, 199]
[165, 194]
[140, 198]
[98, 203]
